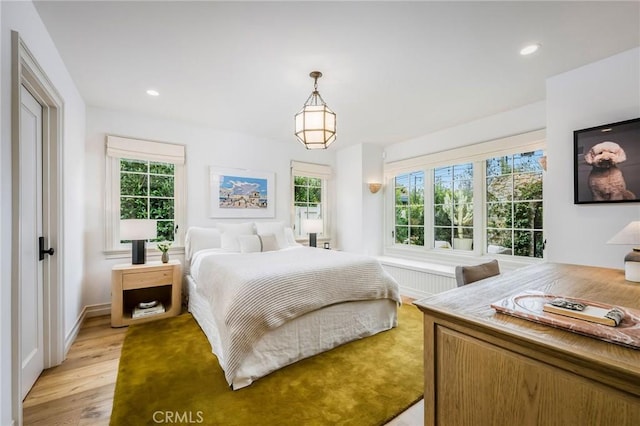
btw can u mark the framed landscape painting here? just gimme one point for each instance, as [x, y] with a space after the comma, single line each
[607, 163]
[241, 193]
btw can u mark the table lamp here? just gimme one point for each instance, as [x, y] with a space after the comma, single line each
[312, 227]
[630, 235]
[138, 231]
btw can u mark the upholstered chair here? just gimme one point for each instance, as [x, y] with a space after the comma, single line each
[468, 274]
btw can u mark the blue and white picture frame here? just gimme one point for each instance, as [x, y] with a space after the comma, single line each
[241, 193]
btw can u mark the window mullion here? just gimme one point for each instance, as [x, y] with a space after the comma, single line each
[429, 221]
[479, 208]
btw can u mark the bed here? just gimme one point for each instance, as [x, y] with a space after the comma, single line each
[263, 310]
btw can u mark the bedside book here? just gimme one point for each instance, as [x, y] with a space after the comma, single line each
[139, 312]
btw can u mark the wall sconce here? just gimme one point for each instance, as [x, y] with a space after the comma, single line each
[374, 187]
[543, 162]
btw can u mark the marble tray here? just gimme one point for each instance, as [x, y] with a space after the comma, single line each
[529, 306]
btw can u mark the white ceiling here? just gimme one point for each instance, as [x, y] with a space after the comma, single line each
[392, 70]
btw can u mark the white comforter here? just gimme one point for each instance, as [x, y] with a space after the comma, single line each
[255, 292]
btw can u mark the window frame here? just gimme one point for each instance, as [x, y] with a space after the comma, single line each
[476, 154]
[316, 171]
[141, 150]
[409, 207]
[513, 203]
[454, 181]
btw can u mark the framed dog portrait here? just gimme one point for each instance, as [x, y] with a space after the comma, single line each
[607, 163]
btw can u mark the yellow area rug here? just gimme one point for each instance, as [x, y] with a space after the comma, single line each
[168, 375]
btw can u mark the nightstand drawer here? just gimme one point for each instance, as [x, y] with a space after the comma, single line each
[132, 281]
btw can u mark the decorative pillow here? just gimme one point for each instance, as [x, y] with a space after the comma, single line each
[198, 238]
[269, 242]
[250, 243]
[230, 233]
[275, 228]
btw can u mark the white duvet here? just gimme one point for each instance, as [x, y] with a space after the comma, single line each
[253, 293]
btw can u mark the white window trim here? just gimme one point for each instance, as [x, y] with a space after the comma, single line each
[117, 147]
[319, 171]
[476, 154]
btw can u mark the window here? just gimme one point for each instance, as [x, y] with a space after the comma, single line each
[307, 194]
[514, 204]
[453, 206]
[145, 180]
[481, 199]
[147, 191]
[409, 209]
[309, 187]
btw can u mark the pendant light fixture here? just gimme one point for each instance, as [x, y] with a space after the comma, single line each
[315, 123]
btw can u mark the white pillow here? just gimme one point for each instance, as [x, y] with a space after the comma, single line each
[230, 233]
[269, 242]
[199, 239]
[250, 243]
[275, 228]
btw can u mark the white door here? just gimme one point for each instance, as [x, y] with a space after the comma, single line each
[30, 229]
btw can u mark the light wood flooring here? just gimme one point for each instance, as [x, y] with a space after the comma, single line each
[80, 390]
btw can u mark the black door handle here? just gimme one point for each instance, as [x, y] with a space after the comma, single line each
[50, 251]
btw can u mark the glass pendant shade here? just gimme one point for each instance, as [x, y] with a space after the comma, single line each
[315, 124]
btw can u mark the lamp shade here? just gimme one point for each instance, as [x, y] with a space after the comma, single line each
[312, 226]
[315, 124]
[630, 234]
[138, 229]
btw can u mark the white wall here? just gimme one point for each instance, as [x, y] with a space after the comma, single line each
[5, 289]
[22, 17]
[599, 93]
[372, 204]
[360, 213]
[204, 147]
[513, 122]
[349, 199]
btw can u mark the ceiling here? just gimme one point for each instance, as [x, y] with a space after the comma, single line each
[392, 70]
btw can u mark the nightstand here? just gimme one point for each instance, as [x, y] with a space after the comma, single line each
[132, 284]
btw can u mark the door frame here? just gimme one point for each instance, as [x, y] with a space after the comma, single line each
[26, 71]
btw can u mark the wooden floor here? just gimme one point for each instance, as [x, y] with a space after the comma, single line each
[80, 390]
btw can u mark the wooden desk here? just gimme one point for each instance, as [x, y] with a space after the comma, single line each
[486, 368]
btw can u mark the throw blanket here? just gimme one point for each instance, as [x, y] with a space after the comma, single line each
[253, 293]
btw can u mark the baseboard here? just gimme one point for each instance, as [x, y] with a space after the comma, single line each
[97, 310]
[87, 312]
[413, 293]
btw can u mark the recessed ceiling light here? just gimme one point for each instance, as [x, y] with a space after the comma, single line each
[152, 92]
[528, 50]
[608, 129]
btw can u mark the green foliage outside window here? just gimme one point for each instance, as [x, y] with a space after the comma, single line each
[307, 191]
[514, 204]
[409, 209]
[147, 192]
[513, 201]
[453, 205]
[307, 198]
